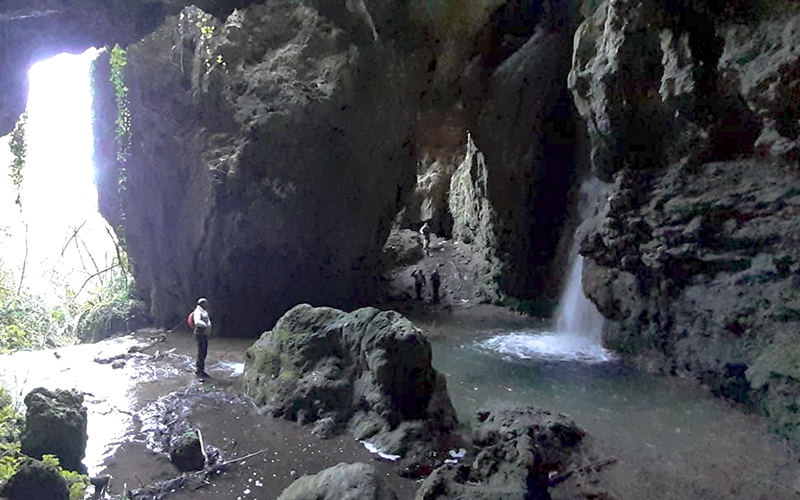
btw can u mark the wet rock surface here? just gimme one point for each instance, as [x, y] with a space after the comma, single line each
[367, 371]
[55, 424]
[343, 481]
[517, 452]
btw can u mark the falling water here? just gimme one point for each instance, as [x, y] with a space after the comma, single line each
[577, 336]
[577, 314]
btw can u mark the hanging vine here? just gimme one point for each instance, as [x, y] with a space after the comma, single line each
[123, 122]
[19, 150]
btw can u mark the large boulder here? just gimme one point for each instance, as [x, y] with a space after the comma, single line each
[36, 480]
[263, 162]
[55, 424]
[341, 482]
[518, 451]
[367, 370]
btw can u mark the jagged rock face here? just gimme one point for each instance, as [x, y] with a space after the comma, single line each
[522, 121]
[367, 370]
[268, 156]
[34, 30]
[696, 262]
[645, 80]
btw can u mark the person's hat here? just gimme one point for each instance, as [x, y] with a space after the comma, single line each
[202, 301]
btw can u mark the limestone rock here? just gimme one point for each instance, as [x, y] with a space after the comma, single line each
[186, 452]
[530, 154]
[55, 424]
[517, 449]
[698, 272]
[341, 482]
[269, 154]
[36, 480]
[367, 370]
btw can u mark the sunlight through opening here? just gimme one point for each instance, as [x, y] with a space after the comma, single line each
[58, 195]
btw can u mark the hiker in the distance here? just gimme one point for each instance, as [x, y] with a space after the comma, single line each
[202, 330]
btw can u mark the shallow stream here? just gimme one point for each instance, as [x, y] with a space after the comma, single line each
[672, 439]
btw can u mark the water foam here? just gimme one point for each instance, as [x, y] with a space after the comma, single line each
[578, 335]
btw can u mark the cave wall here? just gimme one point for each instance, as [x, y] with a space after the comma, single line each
[268, 156]
[692, 117]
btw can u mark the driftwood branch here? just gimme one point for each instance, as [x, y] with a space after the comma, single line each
[596, 466]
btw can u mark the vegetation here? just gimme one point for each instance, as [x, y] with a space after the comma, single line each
[123, 123]
[105, 303]
[19, 150]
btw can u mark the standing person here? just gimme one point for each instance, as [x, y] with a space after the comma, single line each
[419, 282]
[425, 231]
[202, 330]
[435, 282]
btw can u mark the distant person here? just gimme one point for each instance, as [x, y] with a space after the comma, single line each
[419, 282]
[435, 282]
[202, 330]
[425, 232]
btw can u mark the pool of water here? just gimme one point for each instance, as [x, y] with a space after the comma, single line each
[672, 438]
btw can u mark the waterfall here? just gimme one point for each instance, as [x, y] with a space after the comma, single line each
[578, 327]
[577, 314]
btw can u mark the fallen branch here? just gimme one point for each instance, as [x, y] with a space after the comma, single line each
[596, 466]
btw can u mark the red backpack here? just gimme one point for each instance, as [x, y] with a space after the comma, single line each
[190, 320]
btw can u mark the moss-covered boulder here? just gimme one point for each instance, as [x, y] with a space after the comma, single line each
[55, 424]
[36, 480]
[341, 482]
[368, 370]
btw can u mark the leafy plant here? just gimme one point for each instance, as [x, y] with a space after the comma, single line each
[76, 482]
[19, 150]
[123, 123]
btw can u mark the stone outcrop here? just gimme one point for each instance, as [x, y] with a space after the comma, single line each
[344, 481]
[692, 255]
[55, 424]
[267, 157]
[369, 371]
[522, 121]
[518, 454]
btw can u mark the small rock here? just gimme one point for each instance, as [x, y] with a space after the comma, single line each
[120, 363]
[186, 452]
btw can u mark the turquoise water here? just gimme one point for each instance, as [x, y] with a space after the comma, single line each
[634, 410]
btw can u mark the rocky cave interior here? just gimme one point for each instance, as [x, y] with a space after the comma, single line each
[281, 152]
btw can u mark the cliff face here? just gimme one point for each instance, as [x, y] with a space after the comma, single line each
[268, 155]
[693, 256]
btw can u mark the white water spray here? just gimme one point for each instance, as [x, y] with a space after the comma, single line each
[578, 335]
[577, 314]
